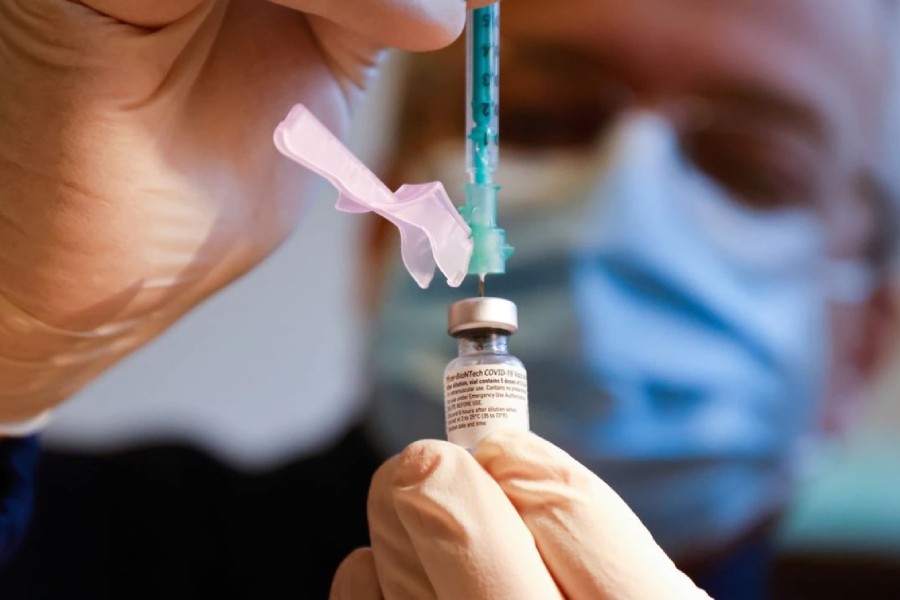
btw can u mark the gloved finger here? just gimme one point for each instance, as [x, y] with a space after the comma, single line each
[416, 25]
[355, 578]
[593, 544]
[467, 535]
[399, 570]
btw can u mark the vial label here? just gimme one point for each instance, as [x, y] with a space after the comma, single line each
[482, 398]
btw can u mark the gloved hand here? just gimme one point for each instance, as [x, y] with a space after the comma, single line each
[137, 166]
[521, 519]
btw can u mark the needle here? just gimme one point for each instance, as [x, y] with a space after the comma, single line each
[481, 285]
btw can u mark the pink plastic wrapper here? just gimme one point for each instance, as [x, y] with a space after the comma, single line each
[432, 232]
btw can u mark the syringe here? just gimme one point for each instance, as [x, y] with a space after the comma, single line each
[482, 142]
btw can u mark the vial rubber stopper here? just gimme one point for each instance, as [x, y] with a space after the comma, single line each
[482, 313]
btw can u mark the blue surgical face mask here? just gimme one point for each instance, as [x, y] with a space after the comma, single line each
[675, 340]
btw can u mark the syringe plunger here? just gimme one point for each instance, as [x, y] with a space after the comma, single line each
[482, 91]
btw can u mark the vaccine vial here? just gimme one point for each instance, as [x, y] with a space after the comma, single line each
[485, 387]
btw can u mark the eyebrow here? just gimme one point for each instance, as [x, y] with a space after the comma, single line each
[750, 96]
[758, 100]
[560, 59]
[882, 198]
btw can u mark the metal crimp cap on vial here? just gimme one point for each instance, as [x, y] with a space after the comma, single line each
[482, 313]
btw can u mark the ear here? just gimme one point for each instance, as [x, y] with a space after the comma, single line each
[879, 329]
[863, 339]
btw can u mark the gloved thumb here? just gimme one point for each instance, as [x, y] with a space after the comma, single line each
[416, 25]
[594, 546]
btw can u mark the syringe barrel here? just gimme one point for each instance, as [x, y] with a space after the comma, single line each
[482, 90]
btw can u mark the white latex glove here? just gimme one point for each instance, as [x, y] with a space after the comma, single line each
[137, 170]
[520, 520]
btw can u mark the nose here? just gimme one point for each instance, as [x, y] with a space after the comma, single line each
[641, 142]
[638, 175]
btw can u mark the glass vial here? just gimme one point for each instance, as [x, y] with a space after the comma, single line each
[485, 387]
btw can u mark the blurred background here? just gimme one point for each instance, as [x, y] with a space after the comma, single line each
[842, 532]
[271, 404]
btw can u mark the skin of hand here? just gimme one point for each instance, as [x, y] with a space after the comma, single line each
[139, 175]
[521, 519]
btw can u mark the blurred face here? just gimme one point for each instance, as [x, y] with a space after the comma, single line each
[772, 98]
[777, 101]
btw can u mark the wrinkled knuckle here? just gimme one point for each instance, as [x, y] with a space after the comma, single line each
[423, 458]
